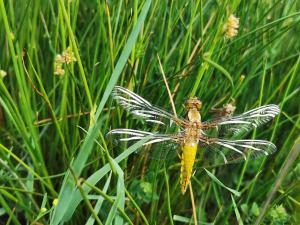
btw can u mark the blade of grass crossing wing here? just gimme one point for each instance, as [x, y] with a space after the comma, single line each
[99, 202]
[213, 177]
[94, 178]
[85, 150]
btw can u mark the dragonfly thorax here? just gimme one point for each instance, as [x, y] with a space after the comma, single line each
[193, 131]
[194, 116]
[193, 105]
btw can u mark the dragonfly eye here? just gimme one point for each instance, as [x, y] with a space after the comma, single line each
[192, 103]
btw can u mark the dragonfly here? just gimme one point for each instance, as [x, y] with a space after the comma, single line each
[192, 134]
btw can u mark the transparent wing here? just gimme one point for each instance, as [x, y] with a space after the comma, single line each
[159, 146]
[219, 151]
[241, 124]
[141, 108]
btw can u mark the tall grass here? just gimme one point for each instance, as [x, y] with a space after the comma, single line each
[56, 164]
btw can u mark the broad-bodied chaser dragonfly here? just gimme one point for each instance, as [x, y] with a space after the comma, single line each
[192, 133]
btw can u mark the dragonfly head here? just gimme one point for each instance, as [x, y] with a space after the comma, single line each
[193, 103]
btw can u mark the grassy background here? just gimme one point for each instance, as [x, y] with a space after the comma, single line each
[66, 156]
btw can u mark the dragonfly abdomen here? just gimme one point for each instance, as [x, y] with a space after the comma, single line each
[189, 151]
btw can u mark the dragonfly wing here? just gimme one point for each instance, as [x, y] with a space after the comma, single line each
[241, 124]
[166, 150]
[220, 151]
[158, 146]
[141, 108]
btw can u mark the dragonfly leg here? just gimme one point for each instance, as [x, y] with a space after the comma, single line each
[207, 140]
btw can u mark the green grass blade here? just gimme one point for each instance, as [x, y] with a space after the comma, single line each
[99, 202]
[120, 198]
[221, 69]
[215, 179]
[237, 214]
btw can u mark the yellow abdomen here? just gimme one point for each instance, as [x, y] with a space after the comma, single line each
[189, 151]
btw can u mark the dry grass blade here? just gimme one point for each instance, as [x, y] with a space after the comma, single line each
[294, 153]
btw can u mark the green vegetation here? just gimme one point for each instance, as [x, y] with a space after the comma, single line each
[56, 164]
